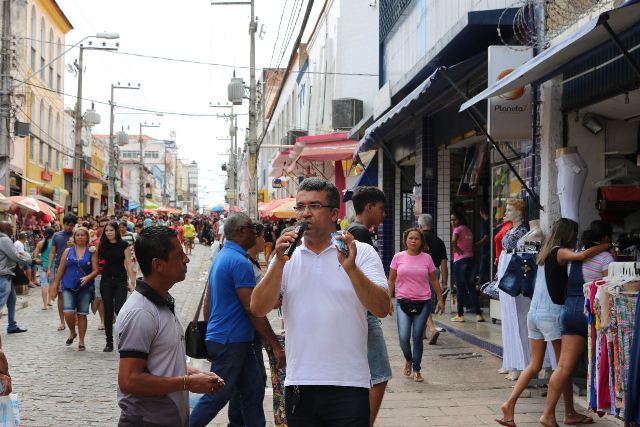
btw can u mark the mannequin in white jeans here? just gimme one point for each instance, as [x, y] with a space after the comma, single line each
[572, 172]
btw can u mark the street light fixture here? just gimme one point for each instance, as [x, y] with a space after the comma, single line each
[79, 121]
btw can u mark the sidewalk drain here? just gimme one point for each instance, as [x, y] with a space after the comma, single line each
[460, 355]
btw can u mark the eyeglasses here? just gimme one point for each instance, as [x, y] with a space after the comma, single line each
[253, 227]
[313, 207]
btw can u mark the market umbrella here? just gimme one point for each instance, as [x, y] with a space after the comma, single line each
[150, 204]
[217, 208]
[285, 210]
[48, 201]
[270, 206]
[32, 205]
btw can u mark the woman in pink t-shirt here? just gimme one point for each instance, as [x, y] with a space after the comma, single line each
[462, 248]
[409, 276]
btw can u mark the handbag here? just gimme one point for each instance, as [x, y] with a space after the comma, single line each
[20, 278]
[411, 307]
[490, 289]
[520, 276]
[195, 334]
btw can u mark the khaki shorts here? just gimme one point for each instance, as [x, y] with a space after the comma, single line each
[190, 240]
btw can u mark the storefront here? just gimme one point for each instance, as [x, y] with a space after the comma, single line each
[590, 169]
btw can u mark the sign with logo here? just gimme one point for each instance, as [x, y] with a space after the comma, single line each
[46, 176]
[509, 115]
[278, 183]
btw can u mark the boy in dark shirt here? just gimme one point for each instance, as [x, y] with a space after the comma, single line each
[369, 204]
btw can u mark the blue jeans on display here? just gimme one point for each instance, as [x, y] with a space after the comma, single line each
[465, 288]
[236, 363]
[412, 328]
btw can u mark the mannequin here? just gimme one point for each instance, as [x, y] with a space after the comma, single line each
[515, 341]
[534, 235]
[572, 172]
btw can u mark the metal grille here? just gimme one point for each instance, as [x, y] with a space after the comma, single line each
[390, 13]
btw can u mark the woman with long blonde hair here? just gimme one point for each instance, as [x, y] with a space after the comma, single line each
[543, 320]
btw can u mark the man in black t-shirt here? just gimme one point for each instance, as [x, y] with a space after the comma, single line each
[435, 247]
[369, 204]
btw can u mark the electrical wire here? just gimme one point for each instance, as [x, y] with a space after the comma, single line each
[217, 64]
[146, 110]
[284, 8]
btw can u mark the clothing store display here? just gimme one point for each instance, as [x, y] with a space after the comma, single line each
[572, 172]
[632, 397]
[520, 275]
[612, 310]
[499, 234]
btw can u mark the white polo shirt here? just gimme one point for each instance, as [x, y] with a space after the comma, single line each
[326, 323]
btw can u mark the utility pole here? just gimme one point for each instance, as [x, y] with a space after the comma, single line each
[76, 189]
[253, 130]
[5, 99]
[141, 170]
[111, 180]
[232, 167]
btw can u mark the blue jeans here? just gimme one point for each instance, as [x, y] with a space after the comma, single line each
[412, 327]
[8, 297]
[463, 275]
[236, 363]
[234, 410]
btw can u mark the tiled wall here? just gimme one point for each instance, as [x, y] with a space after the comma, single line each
[444, 196]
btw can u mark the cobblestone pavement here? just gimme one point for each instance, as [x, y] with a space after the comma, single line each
[59, 386]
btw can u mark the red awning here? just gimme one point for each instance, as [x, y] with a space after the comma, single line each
[91, 176]
[330, 147]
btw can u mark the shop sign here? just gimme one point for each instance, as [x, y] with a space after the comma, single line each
[46, 176]
[509, 114]
[278, 183]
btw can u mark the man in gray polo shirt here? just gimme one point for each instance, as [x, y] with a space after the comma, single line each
[153, 377]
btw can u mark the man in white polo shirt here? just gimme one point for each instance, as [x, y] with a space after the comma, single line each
[325, 299]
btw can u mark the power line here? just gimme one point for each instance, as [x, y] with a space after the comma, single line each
[146, 110]
[216, 64]
[278, 32]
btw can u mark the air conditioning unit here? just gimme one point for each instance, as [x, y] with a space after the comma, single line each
[21, 129]
[295, 133]
[346, 113]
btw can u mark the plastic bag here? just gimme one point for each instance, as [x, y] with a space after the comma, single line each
[9, 411]
[215, 249]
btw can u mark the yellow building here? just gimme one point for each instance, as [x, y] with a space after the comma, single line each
[44, 40]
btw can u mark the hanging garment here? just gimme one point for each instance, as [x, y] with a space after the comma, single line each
[632, 397]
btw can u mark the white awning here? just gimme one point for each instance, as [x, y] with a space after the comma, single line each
[552, 61]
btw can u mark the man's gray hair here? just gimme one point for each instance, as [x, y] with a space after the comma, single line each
[319, 184]
[425, 220]
[233, 222]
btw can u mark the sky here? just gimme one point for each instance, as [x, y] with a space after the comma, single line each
[191, 30]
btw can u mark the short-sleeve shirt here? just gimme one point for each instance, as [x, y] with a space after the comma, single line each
[360, 233]
[465, 242]
[594, 267]
[59, 241]
[435, 247]
[413, 275]
[228, 321]
[326, 322]
[189, 230]
[147, 222]
[147, 328]
[112, 259]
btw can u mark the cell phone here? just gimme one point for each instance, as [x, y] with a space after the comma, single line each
[340, 244]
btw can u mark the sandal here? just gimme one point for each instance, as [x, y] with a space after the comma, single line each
[582, 420]
[69, 340]
[61, 328]
[507, 423]
[81, 347]
[434, 338]
[407, 369]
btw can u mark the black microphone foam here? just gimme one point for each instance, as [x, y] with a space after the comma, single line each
[300, 228]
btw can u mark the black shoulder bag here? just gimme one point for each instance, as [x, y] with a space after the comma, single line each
[195, 334]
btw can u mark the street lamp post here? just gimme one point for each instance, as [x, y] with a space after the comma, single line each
[111, 180]
[141, 171]
[79, 122]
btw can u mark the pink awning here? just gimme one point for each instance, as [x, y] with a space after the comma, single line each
[330, 147]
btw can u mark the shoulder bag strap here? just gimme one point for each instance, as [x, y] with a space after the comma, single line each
[197, 315]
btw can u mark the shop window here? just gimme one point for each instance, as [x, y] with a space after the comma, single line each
[59, 67]
[50, 158]
[42, 48]
[57, 160]
[51, 50]
[41, 153]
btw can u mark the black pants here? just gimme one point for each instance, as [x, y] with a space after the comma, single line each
[309, 406]
[114, 295]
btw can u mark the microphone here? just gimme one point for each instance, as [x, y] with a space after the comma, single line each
[300, 228]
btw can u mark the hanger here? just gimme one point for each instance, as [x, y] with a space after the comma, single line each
[619, 173]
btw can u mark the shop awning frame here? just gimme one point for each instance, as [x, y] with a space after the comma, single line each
[553, 61]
